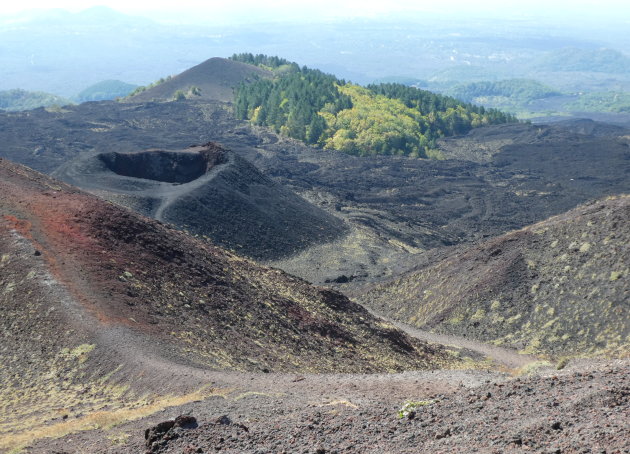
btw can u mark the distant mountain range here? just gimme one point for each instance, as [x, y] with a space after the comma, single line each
[18, 99]
[102, 44]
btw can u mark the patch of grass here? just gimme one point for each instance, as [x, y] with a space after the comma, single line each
[479, 315]
[255, 393]
[79, 353]
[345, 403]
[409, 408]
[435, 154]
[532, 368]
[119, 439]
[106, 419]
[562, 363]
[457, 319]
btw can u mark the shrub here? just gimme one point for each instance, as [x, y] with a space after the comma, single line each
[409, 408]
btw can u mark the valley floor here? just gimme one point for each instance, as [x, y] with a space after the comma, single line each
[582, 408]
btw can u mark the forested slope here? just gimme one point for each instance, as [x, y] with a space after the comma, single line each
[322, 110]
[17, 99]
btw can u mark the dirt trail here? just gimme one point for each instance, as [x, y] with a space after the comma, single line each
[133, 349]
[142, 356]
[504, 356]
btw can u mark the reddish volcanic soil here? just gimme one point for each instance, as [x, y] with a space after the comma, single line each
[207, 305]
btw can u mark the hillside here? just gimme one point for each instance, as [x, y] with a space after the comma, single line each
[324, 111]
[586, 408]
[102, 308]
[572, 59]
[166, 280]
[209, 191]
[16, 100]
[601, 102]
[214, 79]
[529, 98]
[104, 90]
[520, 89]
[510, 94]
[462, 74]
[559, 287]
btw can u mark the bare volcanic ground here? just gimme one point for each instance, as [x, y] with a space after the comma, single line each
[494, 179]
[208, 191]
[107, 315]
[585, 409]
[113, 325]
[215, 79]
[559, 287]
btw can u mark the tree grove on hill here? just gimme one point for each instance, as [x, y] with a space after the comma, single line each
[260, 60]
[324, 111]
[291, 104]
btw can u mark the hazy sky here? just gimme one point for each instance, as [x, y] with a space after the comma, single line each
[290, 9]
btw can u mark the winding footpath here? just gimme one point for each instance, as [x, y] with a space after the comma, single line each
[504, 356]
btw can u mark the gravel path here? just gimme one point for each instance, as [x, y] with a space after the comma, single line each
[505, 356]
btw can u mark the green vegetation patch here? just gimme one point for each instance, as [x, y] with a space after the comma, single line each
[411, 407]
[514, 90]
[323, 111]
[263, 61]
[613, 101]
[107, 89]
[573, 59]
[17, 99]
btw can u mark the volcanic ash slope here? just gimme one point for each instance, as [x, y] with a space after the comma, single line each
[107, 314]
[559, 287]
[215, 79]
[208, 190]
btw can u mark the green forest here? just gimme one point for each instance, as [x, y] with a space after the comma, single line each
[517, 90]
[18, 99]
[107, 89]
[590, 60]
[330, 113]
[601, 102]
[264, 61]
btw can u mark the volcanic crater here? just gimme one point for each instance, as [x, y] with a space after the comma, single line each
[209, 191]
[166, 166]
